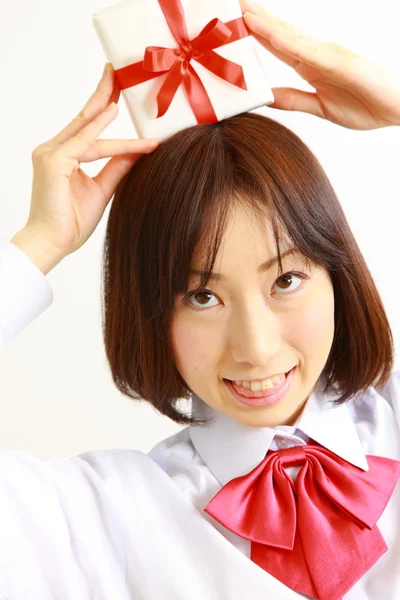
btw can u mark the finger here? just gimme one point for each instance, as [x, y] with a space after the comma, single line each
[78, 145]
[110, 176]
[286, 58]
[107, 91]
[291, 42]
[271, 21]
[298, 100]
[245, 5]
[107, 148]
[85, 146]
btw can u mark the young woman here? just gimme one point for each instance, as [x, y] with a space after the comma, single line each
[231, 277]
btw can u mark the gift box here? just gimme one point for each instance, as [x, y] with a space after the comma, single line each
[182, 62]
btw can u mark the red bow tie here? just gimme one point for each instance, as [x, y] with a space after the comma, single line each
[317, 535]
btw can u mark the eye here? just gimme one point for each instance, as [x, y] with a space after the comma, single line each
[202, 296]
[287, 278]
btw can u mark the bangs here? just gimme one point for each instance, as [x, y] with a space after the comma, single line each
[207, 240]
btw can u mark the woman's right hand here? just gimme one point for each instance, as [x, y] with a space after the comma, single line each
[350, 90]
[67, 204]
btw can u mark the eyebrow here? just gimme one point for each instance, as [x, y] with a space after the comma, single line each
[265, 266]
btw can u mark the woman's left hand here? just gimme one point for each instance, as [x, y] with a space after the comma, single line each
[351, 90]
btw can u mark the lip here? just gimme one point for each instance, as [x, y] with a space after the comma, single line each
[271, 397]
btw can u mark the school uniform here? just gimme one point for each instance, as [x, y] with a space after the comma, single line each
[124, 524]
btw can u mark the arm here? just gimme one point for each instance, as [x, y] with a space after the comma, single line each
[39, 250]
[66, 206]
[25, 292]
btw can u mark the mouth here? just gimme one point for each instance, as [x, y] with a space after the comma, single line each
[262, 397]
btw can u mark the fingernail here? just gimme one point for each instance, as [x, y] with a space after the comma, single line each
[152, 144]
[110, 108]
[106, 69]
[250, 6]
[250, 15]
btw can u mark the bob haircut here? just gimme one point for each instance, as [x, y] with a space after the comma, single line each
[172, 208]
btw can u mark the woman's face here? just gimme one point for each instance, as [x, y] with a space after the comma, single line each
[250, 325]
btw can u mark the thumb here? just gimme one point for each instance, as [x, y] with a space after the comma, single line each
[110, 176]
[292, 99]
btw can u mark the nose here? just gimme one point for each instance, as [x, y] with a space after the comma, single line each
[255, 335]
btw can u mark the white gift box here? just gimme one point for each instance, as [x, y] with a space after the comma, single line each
[127, 28]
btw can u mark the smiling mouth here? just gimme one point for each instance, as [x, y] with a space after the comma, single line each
[263, 379]
[261, 397]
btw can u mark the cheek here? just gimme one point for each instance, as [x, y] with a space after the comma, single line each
[191, 346]
[312, 328]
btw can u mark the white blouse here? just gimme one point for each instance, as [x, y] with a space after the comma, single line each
[123, 524]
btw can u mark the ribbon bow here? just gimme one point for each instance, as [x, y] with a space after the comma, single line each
[176, 62]
[317, 535]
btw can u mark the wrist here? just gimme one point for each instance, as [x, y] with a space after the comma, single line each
[41, 252]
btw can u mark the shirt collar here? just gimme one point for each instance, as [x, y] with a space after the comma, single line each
[231, 449]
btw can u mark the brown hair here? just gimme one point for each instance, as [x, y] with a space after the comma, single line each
[173, 205]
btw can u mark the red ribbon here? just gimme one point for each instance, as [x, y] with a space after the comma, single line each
[317, 535]
[176, 62]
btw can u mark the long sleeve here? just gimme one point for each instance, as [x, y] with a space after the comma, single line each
[25, 292]
[61, 525]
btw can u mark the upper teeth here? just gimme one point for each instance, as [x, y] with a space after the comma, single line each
[266, 384]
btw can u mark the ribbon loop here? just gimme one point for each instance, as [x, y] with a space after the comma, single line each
[214, 35]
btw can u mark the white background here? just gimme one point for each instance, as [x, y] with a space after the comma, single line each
[56, 395]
